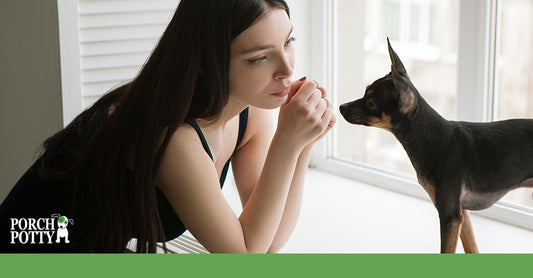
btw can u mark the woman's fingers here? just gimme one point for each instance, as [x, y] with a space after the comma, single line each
[305, 91]
[295, 87]
[321, 107]
[329, 117]
[307, 115]
[315, 98]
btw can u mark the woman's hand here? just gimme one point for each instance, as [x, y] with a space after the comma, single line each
[305, 117]
[332, 121]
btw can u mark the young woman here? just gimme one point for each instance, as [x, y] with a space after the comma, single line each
[148, 160]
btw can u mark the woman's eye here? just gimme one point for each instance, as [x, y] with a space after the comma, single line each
[258, 60]
[290, 41]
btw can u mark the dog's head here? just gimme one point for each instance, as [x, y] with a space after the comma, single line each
[62, 222]
[386, 101]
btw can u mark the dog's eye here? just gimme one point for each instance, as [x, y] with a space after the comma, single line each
[370, 104]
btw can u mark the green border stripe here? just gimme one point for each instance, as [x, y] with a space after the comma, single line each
[272, 266]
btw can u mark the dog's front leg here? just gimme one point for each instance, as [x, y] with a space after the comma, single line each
[450, 227]
[467, 234]
[451, 218]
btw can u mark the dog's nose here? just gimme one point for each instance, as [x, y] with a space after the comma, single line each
[343, 109]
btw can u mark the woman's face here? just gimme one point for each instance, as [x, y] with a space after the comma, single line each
[262, 62]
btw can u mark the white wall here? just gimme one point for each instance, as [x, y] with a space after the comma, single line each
[30, 84]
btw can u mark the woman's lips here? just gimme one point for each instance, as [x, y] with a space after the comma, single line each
[285, 91]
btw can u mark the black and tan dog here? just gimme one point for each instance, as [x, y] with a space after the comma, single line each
[461, 165]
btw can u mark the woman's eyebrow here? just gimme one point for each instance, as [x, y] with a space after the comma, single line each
[257, 48]
[263, 47]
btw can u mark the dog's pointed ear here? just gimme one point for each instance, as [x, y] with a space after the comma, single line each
[406, 98]
[397, 65]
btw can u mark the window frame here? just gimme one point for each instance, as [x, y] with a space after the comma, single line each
[70, 59]
[475, 97]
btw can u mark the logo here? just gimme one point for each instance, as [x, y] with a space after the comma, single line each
[41, 230]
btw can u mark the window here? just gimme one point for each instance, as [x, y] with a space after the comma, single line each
[513, 89]
[464, 58]
[423, 57]
[116, 38]
[104, 43]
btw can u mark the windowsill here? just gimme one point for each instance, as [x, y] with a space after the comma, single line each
[340, 215]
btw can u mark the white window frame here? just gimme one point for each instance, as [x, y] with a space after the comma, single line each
[475, 86]
[70, 59]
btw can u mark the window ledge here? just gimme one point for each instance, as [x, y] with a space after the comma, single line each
[340, 215]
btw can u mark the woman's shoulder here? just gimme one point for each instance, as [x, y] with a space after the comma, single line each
[184, 154]
[184, 139]
[184, 131]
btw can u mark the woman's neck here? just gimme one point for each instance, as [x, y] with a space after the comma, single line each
[232, 109]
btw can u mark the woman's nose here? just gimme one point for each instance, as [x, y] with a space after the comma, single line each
[286, 66]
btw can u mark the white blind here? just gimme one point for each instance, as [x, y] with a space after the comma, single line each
[116, 38]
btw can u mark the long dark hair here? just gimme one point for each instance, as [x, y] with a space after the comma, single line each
[111, 159]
